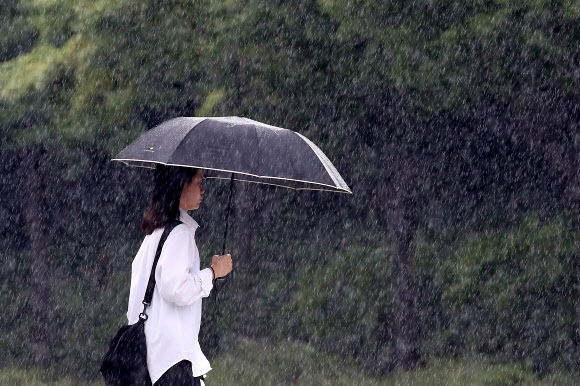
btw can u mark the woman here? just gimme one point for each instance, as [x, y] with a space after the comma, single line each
[174, 356]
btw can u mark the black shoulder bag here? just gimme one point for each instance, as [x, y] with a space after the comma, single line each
[126, 360]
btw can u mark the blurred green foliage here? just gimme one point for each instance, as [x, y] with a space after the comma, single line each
[506, 294]
[511, 294]
[337, 305]
[459, 54]
[480, 97]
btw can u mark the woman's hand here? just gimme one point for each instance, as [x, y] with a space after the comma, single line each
[222, 265]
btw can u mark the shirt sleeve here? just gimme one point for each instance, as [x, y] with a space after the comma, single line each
[177, 275]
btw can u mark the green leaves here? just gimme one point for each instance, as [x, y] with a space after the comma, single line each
[506, 293]
[530, 256]
[28, 73]
[459, 54]
[339, 304]
[105, 70]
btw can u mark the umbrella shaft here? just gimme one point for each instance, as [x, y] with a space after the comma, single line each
[228, 214]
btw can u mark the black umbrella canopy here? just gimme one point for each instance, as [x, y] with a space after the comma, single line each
[251, 150]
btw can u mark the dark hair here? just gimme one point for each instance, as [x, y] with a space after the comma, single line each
[168, 182]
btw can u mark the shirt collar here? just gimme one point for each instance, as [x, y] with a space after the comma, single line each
[185, 218]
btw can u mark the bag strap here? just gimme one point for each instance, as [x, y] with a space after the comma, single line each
[151, 284]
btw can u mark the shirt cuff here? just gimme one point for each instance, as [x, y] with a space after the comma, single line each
[206, 277]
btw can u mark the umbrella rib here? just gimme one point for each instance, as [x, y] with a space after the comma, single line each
[283, 186]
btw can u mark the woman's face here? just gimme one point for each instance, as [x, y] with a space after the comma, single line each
[192, 191]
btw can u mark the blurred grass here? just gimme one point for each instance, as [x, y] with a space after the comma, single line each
[294, 363]
[36, 377]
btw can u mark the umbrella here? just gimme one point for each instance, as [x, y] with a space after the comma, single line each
[257, 152]
[237, 149]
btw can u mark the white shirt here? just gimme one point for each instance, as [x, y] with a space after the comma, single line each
[174, 317]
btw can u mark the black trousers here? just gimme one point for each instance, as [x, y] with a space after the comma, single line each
[180, 374]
